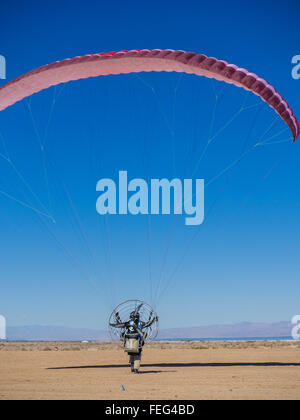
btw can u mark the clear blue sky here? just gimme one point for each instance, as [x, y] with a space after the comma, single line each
[243, 265]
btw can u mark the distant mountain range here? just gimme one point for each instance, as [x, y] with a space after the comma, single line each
[244, 329]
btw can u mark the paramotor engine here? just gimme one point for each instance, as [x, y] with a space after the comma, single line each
[122, 312]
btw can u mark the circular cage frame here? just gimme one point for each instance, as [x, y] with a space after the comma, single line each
[124, 309]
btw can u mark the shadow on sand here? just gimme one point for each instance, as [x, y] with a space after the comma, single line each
[182, 365]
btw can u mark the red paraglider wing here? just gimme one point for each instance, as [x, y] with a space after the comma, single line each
[136, 61]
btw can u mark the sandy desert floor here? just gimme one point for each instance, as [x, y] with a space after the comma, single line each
[170, 370]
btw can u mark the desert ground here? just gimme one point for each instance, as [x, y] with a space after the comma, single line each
[170, 370]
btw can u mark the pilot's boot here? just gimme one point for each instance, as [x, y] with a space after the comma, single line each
[131, 361]
[137, 362]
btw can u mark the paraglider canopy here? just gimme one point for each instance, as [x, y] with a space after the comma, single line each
[136, 61]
